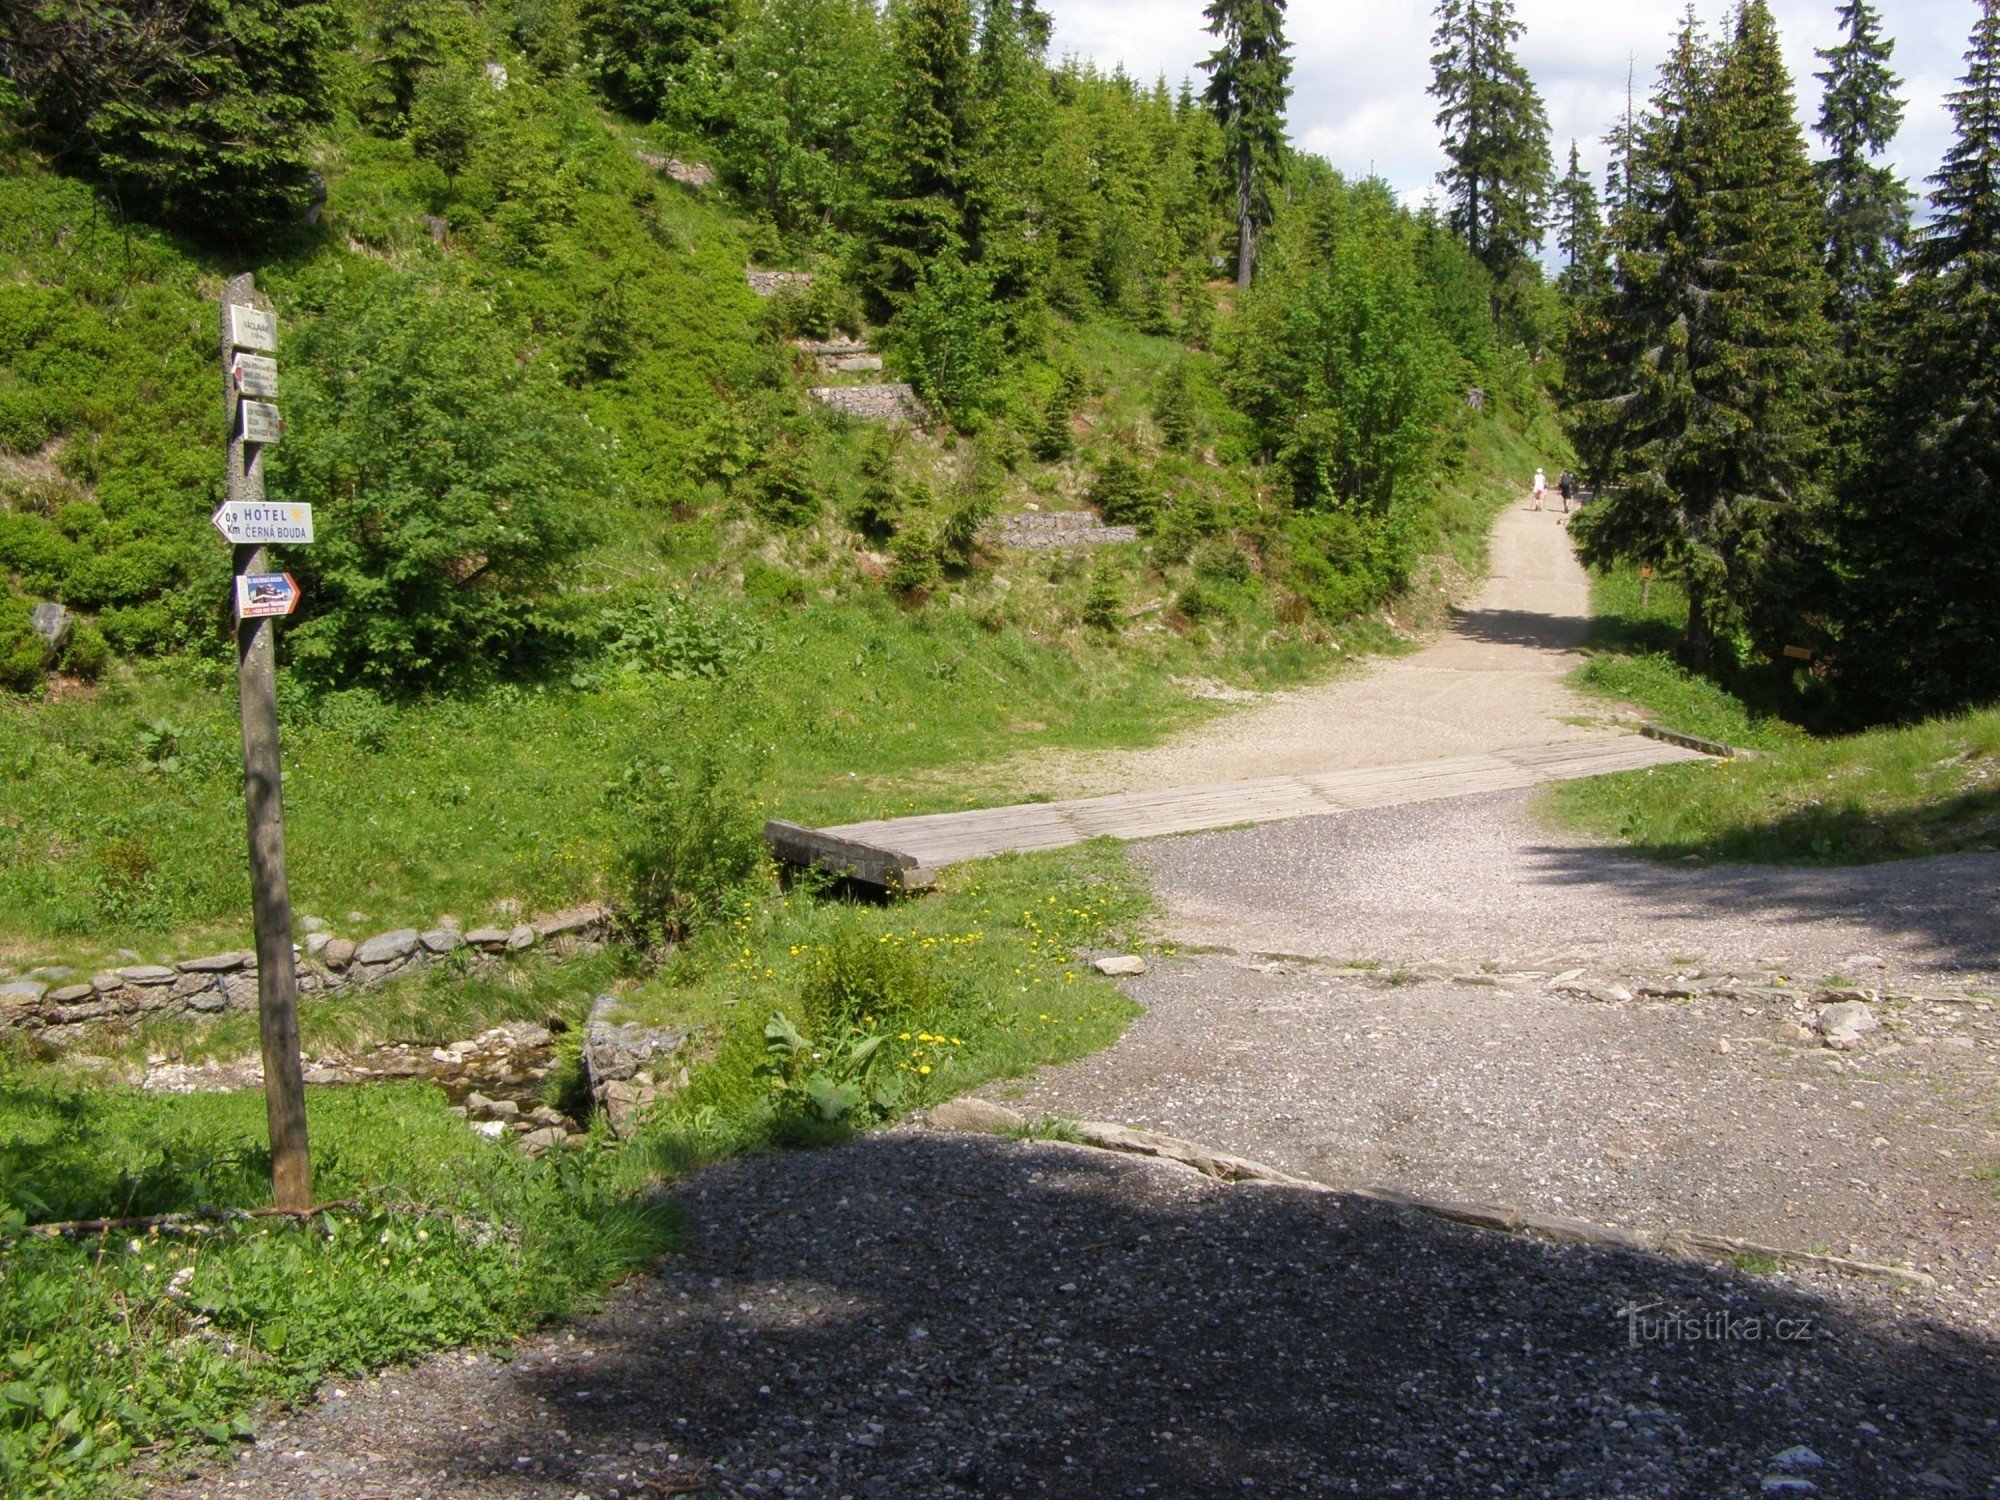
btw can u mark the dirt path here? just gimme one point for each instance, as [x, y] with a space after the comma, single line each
[917, 1316]
[1493, 681]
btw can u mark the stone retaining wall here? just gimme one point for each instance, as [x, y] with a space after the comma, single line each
[56, 1006]
[770, 283]
[874, 403]
[1060, 528]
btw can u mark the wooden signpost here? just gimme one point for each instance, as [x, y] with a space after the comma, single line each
[248, 521]
[1646, 584]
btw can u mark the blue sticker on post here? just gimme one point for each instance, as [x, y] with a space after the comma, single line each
[265, 596]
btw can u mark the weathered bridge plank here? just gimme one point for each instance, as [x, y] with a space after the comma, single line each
[931, 840]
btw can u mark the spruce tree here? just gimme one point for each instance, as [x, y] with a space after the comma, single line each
[1867, 206]
[1918, 530]
[927, 156]
[1720, 310]
[1249, 84]
[1579, 229]
[1496, 133]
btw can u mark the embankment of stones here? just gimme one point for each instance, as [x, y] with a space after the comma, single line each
[1042, 530]
[630, 1066]
[873, 403]
[770, 283]
[58, 1006]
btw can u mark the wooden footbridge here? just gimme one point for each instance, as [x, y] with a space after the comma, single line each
[907, 853]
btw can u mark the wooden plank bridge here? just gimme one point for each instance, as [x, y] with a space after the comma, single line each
[907, 852]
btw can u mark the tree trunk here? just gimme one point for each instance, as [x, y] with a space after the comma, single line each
[1246, 194]
[1698, 641]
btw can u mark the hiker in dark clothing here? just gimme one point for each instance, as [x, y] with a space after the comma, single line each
[1566, 486]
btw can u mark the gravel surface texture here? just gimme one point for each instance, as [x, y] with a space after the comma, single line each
[1481, 880]
[927, 1316]
[1493, 681]
[1705, 1103]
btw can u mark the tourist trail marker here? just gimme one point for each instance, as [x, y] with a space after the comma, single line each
[256, 376]
[260, 523]
[265, 596]
[251, 522]
[246, 327]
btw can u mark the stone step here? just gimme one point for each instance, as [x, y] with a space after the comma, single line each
[1038, 530]
[874, 403]
[770, 283]
[832, 348]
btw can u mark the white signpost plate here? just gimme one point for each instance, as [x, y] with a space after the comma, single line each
[261, 422]
[256, 376]
[265, 596]
[264, 523]
[251, 329]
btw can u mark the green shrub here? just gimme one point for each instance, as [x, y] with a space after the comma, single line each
[691, 832]
[1054, 438]
[1174, 409]
[1104, 605]
[784, 491]
[23, 655]
[86, 653]
[206, 113]
[916, 568]
[949, 337]
[1201, 600]
[453, 486]
[1123, 493]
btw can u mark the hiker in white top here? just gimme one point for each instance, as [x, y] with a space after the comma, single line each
[1541, 484]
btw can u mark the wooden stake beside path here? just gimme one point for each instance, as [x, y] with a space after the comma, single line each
[257, 695]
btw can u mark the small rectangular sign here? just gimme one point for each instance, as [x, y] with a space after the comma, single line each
[256, 376]
[251, 329]
[264, 522]
[1798, 653]
[265, 596]
[261, 422]
[1646, 571]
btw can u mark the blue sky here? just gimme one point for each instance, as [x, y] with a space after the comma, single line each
[1361, 70]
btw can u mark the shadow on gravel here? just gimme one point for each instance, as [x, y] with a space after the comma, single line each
[922, 1315]
[1943, 905]
[1520, 627]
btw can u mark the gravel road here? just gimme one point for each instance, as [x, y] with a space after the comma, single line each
[1481, 880]
[1494, 681]
[926, 1316]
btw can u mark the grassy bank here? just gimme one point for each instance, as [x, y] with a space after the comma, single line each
[161, 1344]
[1888, 794]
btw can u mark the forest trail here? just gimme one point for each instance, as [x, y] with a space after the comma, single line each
[1492, 682]
[1483, 708]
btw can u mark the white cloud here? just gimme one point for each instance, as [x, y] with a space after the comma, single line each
[1362, 71]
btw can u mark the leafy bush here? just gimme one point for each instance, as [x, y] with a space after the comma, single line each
[681, 638]
[23, 656]
[692, 840]
[784, 492]
[1055, 440]
[949, 337]
[821, 1089]
[917, 567]
[453, 487]
[86, 653]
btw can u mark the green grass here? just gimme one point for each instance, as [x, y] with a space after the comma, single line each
[158, 1344]
[161, 1343]
[1889, 794]
[1632, 644]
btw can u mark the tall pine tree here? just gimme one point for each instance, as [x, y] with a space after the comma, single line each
[1579, 229]
[1249, 84]
[1867, 206]
[1918, 531]
[1718, 327]
[928, 155]
[1496, 133]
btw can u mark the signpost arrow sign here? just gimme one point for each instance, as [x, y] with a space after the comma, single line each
[260, 523]
[265, 596]
[256, 376]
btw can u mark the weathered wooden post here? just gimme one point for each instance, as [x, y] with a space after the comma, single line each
[248, 522]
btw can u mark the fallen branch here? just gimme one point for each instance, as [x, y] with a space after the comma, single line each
[78, 1228]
